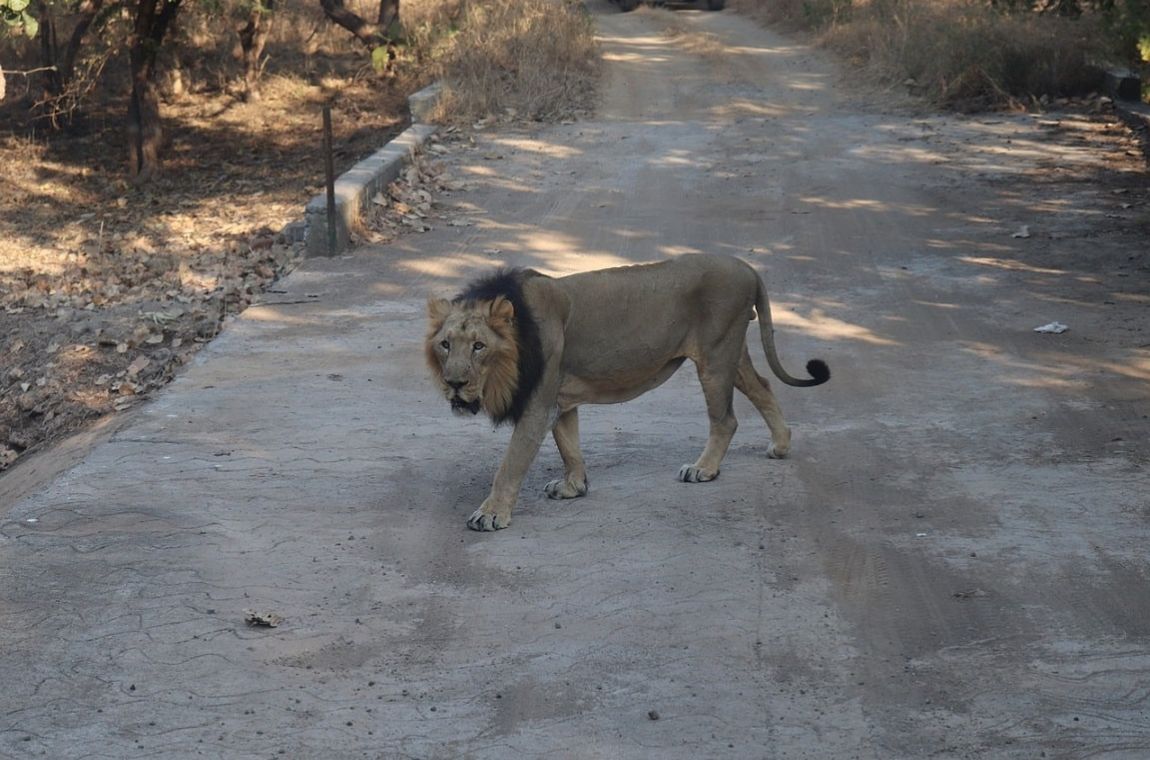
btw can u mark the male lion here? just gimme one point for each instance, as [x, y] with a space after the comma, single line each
[530, 349]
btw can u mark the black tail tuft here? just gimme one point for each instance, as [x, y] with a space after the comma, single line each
[819, 371]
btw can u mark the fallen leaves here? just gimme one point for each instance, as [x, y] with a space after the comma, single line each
[262, 618]
[109, 274]
[408, 203]
[138, 364]
[107, 329]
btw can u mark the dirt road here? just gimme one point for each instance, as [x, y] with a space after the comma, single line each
[952, 563]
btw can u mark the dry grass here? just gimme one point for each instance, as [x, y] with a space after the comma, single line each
[959, 54]
[535, 59]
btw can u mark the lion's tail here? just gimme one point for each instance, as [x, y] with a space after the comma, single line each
[817, 369]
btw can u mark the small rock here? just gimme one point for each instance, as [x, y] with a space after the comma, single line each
[653, 714]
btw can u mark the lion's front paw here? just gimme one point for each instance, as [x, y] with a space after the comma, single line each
[689, 473]
[565, 489]
[484, 521]
[778, 452]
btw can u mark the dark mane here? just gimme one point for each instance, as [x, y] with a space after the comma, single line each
[509, 284]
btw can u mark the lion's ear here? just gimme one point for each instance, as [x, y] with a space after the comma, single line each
[501, 310]
[438, 309]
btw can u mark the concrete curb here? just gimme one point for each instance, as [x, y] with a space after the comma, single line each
[422, 104]
[355, 188]
[1125, 90]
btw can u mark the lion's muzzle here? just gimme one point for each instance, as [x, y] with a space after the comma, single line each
[459, 405]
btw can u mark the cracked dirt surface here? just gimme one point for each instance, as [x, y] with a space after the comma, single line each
[950, 565]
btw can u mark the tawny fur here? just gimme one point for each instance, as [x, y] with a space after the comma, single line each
[600, 338]
[493, 323]
[500, 372]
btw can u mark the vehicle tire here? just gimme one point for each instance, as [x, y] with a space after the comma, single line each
[628, 5]
[716, 5]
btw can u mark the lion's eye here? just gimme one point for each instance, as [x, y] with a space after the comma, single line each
[445, 345]
[478, 346]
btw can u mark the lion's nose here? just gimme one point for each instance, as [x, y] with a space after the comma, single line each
[456, 384]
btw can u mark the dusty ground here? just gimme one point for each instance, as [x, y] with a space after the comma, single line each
[106, 289]
[951, 564]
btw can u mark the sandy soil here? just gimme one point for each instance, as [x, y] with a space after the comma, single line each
[951, 564]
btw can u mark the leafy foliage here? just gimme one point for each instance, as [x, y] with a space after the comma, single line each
[18, 18]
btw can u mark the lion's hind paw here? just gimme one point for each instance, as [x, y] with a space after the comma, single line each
[565, 489]
[690, 473]
[485, 522]
[778, 452]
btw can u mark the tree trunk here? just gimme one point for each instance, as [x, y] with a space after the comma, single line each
[253, 37]
[369, 34]
[87, 11]
[389, 18]
[53, 82]
[61, 99]
[145, 132]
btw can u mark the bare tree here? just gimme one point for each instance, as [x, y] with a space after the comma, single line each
[372, 35]
[145, 132]
[253, 36]
[61, 92]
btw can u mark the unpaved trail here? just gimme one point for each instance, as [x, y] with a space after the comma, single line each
[952, 563]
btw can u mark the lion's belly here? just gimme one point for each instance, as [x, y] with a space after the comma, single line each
[622, 384]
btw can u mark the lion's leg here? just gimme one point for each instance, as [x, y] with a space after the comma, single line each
[574, 481]
[717, 378]
[495, 512]
[755, 387]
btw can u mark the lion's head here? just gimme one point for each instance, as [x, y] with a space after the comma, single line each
[473, 351]
[483, 346]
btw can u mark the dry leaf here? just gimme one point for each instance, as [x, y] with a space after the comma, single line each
[138, 365]
[262, 619]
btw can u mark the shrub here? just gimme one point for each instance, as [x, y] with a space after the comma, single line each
[533, 57]
[959, 53]
[968, 56]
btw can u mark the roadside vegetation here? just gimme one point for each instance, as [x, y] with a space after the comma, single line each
[154, 152]
[531, 58]
[975, 54]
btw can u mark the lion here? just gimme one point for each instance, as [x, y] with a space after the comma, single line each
[529, 349]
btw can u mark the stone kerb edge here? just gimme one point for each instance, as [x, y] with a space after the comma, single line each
[355, 188]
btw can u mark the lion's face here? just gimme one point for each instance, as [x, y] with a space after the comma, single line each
[473, 354]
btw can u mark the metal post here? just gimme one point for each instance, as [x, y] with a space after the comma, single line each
[330, 166]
